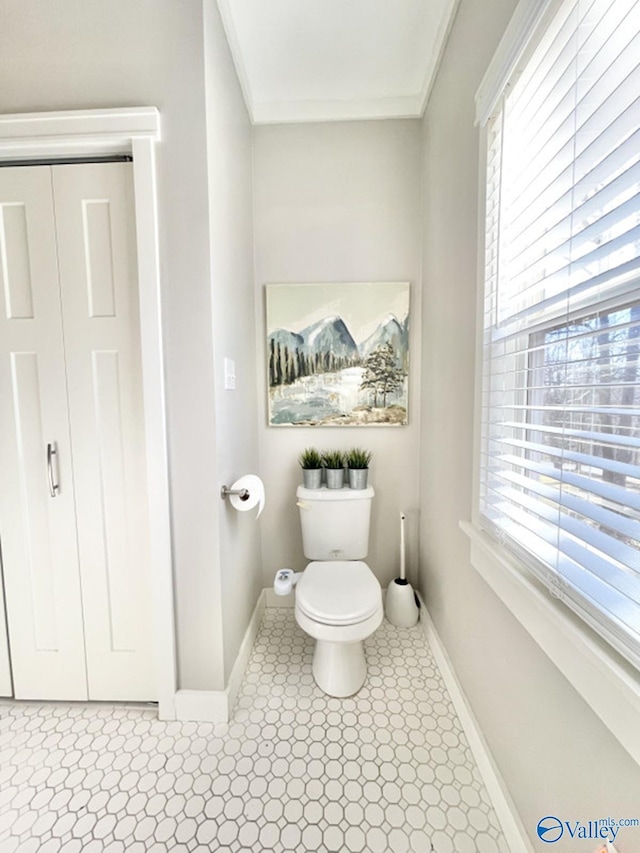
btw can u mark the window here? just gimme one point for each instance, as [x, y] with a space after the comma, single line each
[560, 445]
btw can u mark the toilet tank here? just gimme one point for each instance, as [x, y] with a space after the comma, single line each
[335, 522]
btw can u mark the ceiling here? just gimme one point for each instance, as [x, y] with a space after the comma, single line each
[332, 60]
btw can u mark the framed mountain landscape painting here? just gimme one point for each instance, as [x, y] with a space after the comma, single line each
[338, 354]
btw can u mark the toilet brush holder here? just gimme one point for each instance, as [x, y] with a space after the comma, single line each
[400, 605]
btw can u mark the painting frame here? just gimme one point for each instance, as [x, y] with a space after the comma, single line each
[337, 354]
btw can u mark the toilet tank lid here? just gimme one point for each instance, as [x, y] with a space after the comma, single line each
[325, 494]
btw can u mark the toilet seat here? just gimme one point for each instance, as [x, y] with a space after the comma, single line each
[338, 592]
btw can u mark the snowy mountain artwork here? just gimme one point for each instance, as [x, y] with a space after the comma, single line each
[338, 354]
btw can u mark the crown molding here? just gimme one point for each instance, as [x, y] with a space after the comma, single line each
[233, 41]
[293, 112]
[435, 58]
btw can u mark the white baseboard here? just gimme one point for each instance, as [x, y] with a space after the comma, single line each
[202, 706]
[244, 652]
[216, 706]
[512, 827]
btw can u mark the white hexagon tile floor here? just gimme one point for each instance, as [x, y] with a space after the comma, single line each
[386, 771]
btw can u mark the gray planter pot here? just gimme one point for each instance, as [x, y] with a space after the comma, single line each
[312, 478]
[335, 478]
[358, 478]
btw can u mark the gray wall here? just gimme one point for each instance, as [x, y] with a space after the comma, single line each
[231, 228]
[555, 754]
[338, 203]
[73, 54]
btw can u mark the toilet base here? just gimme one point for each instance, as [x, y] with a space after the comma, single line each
[339, 663]
[340, 669]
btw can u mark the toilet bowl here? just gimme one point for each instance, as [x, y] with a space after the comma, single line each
[338, 598]
[339, 604]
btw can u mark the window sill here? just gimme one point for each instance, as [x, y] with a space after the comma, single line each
[607, 683]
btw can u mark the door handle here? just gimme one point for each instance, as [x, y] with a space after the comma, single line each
[54, 486]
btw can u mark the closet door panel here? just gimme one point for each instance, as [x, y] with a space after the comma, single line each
[98, 276]
[37, 528]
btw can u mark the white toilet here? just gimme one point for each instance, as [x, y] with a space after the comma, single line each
[338, 598]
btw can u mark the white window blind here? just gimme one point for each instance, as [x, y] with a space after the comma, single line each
[560, 448]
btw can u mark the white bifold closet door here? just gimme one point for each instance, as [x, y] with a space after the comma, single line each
[73, 514]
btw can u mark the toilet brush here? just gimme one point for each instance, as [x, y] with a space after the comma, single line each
[400, 606]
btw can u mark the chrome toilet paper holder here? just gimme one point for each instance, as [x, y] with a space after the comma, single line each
[226, 492]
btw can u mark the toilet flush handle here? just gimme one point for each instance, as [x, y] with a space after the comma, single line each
[303, 504]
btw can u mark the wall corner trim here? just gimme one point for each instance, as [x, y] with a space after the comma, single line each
[216, 706]
[512, 827]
